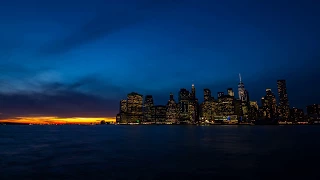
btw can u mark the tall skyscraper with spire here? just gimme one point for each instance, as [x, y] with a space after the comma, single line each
[242, 91]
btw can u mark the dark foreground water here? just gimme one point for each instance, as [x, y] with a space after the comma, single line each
[159, 152]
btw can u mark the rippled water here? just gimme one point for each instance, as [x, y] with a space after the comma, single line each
[159, 152]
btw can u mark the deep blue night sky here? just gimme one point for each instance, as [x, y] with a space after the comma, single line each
[79, 58]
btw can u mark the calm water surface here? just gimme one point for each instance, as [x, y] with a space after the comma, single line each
[159, 152]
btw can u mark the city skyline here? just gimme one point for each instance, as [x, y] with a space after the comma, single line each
[226, 108]
[73, 58]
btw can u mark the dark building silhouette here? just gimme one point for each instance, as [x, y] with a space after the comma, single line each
[313, 112]
[220, 94]
[283, 108]
[296, 115]
[238, 108]
[148, 104]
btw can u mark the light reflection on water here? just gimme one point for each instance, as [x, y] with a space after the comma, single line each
[157, 152]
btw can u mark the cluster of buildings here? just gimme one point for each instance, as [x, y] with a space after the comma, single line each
[226, 109]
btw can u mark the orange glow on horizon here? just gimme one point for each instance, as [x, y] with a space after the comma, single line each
[58, 120]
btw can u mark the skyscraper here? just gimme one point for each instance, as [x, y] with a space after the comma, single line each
[193, 105]
[134, 107]
[123, 111]
[242, 91]
[147, 111]
[271, 104]
[193, 92]
[184, 100]
[172, 113]
[284, 108]
[253, 111]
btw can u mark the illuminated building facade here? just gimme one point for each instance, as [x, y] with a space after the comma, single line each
[264, 108]
[270, 104]
[225, 106]
[242, 93]
[207, 107]
[296, 115]
[123, 112]
[283, 108]
[134, 108]
[159, 114]
[123, 106]
[184, 100]
[172, 112]
[147, 111]
[253, 111]
[193, 106]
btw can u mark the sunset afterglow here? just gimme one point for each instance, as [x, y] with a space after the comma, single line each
[58, 120]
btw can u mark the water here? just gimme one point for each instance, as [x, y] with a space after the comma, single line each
[159, 152]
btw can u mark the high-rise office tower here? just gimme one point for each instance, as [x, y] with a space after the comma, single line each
[271, 104]
[253, 111]
[207, 107]
[242, 91]
[147, 111]
[121, 117]
[193, 105]
[226, 106]
[172, 113]
[184, 101]
[193, 92]
[134, 107]
[206, 94]
[284, 108]
[230, 92]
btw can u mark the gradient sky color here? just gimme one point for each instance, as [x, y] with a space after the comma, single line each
[76, 58]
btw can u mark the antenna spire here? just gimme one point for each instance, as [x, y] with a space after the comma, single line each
[240, 77]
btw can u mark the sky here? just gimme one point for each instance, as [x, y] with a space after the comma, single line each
[76, 58]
